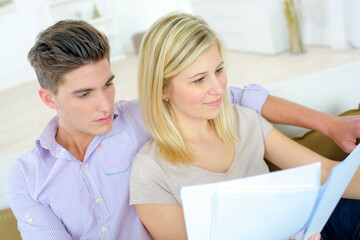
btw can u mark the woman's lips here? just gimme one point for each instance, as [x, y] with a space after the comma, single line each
[214, 103]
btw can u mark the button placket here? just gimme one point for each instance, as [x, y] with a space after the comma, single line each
[95, 193]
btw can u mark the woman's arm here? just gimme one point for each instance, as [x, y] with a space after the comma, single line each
[286, 153]
[163, 221]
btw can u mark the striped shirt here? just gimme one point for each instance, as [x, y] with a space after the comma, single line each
[55, 196]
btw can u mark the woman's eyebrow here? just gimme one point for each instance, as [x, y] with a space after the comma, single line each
[205, 72]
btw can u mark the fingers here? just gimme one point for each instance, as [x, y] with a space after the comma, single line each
[348, 148]
[315, 236]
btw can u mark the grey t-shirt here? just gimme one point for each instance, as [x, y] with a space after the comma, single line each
[156, 181]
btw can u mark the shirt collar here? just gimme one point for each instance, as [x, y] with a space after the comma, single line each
[47, 142]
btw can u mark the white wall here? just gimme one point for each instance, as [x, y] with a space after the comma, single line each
[137, 15]
[332, 23]
[18, 31]
[20, 27]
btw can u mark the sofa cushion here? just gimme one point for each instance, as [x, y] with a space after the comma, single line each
[322, 144]
[8, 225]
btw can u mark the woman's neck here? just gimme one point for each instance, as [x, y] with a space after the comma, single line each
[195, 130]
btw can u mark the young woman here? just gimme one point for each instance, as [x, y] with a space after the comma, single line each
[198, 136]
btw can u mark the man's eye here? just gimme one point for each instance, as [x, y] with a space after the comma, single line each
[84, 95]
[219, 70]
[109, 84]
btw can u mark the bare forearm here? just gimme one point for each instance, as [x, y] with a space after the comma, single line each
[342, 130]
[279, 110]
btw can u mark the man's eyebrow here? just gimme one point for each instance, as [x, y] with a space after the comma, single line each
[110, 79]
[91, 89]
[82, 90]
[204, 72]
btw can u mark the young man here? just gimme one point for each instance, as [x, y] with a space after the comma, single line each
[74, 183]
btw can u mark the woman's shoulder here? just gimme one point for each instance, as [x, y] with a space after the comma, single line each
[149, 157]
[149, 149]
[248, 120]
[241, 112]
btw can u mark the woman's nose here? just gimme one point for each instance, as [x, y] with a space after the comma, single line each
[217, 87]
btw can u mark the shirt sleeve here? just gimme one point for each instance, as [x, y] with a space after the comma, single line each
[252, 96]
[147, 183]
[35, 220]
[266, 127]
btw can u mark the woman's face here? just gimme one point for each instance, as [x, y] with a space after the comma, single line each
[196, 93]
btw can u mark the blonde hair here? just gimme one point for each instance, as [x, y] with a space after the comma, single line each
[171, 45]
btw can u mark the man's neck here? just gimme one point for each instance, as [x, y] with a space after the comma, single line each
[75, 144]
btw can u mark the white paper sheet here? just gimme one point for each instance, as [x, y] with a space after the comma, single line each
[264, 213]
[330, 194]
[292, 187]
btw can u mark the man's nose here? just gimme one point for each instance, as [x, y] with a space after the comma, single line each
[104, 102]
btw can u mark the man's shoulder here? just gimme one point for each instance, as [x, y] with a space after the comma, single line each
[130, 112]
[29, 158]
[127, 106]
[25, 163]
[129, 118]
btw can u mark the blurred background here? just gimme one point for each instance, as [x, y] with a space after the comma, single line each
[269, 41]
[252, 26]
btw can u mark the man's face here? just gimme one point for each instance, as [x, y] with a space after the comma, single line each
[85, 101]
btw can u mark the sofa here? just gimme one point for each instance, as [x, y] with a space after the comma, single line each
[336, 91]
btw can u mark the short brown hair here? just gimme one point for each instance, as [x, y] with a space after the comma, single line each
[63, 47]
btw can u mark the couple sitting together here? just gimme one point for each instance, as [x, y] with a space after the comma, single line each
[97, 172]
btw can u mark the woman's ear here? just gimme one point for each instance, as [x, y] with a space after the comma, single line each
[48, 98]
[164, 96]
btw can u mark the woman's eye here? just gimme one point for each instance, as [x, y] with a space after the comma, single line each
[199, 80]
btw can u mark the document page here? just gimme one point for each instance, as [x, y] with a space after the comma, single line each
[211, 213]
[262, 213]
[330, 194]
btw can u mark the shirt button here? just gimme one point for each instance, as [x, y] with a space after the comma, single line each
[101, 145]
[27, 216]
[97, 200]
[30, 220]
[83, 168]
[103, 229]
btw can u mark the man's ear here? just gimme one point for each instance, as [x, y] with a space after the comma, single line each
[48, 98]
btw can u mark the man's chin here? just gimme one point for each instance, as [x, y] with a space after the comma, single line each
[102, 130]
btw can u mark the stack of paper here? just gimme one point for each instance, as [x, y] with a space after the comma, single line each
[270, 206]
